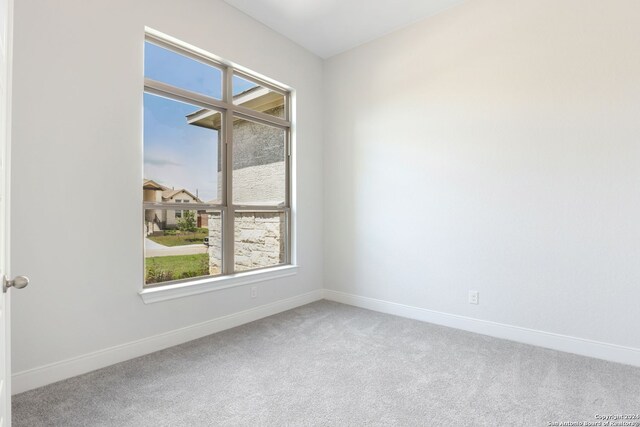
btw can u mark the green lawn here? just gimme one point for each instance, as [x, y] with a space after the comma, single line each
[165, 268]
[177, 238]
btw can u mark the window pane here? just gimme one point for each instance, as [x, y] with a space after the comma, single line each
[181, 247]
[260, 240]
[178, 70]
[258, 164]
[257, 98]
[181, 152]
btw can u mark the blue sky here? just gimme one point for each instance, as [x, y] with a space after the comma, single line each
[177, 154]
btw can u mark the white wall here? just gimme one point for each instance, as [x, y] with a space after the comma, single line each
[494, 147]
[77, 145]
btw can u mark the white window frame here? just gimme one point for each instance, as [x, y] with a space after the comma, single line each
[228, 277]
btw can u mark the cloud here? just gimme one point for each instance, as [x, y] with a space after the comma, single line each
[160, 162]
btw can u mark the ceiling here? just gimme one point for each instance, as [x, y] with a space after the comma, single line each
[329, 27]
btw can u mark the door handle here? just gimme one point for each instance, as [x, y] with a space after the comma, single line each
[19, 282]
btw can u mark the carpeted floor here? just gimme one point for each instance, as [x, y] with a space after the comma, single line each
[332, 364]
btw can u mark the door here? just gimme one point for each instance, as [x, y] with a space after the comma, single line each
[6, 15]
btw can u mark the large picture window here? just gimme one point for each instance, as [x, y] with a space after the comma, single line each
[217, 162]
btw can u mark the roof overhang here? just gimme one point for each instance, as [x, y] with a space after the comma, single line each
[258, 99]
[152, 185]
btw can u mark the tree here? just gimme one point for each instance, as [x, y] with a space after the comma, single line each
[187, 224]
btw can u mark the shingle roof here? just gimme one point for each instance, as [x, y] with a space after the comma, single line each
[167, 193]
[149, 184]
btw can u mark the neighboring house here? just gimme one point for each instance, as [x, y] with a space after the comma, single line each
[157, 220]
[259, 179]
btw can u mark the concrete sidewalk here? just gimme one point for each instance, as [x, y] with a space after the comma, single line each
[156, 249]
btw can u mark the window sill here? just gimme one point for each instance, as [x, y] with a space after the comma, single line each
[179, 290]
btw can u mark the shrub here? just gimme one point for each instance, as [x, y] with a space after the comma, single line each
[187, 224]
[156, 275]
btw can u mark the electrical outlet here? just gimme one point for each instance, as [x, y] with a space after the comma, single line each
[474, 297]
[254, 291]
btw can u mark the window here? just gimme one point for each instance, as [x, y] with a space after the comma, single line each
[178, 213]
[217, 142]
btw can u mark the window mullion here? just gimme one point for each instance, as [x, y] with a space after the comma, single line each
[229, 216]
[288, 189]
[256, 116]
[168, 91]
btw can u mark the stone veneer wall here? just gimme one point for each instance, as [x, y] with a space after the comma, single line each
[258, 161]
[259, 240]
[259, 177]
[215, 243]
[261, 184]
[257, 144]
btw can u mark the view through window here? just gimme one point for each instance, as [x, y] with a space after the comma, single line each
[216, 188]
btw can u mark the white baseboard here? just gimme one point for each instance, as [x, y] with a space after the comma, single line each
[43, 375]
[569, 344]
